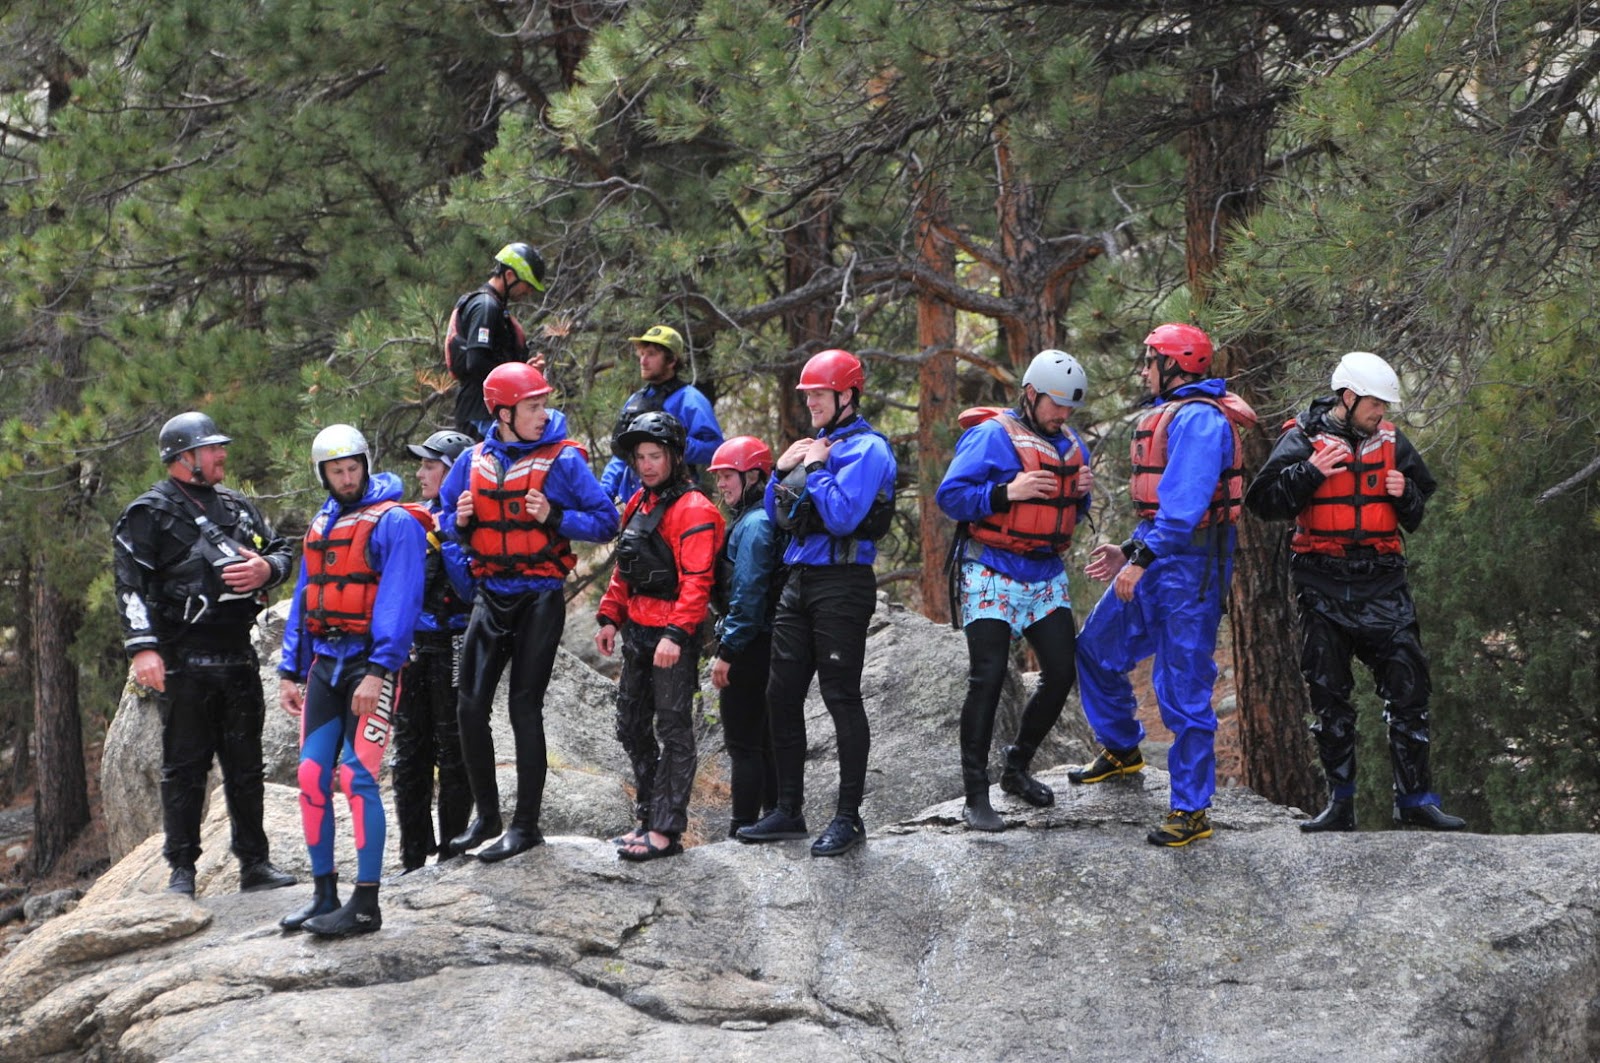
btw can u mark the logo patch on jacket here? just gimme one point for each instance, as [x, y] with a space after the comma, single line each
[1372, 479]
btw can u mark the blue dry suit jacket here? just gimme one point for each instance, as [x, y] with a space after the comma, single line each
[752, 544]
[397, 551]
[456, 571]
[985, 460]
[1199, 451]
[693, 411]
[580, 510]
[859, 469]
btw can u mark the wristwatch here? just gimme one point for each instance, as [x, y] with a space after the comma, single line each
[1138, 553]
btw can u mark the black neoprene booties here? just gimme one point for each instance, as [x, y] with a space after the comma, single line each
[1014, 778]
[514, 841]
[479, 831]
[980, 815]
[359, 915]
[324, 899]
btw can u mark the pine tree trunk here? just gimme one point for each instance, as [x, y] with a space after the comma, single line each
[1226, 154]
[61, 791]
[936, 405]
[807, 248]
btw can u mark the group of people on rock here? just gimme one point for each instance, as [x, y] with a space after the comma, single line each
[404, 616]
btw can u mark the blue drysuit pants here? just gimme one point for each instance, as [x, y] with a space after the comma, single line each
[1174, 614]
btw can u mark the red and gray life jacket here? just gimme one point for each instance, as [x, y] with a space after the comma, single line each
[1150, 458]
[505, 539]
[341, 586]
[1351, 508]
[1034, 525]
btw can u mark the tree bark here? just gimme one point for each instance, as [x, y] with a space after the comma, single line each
[807, 250]
[936, 403]
[61, 789]
[1226, 152]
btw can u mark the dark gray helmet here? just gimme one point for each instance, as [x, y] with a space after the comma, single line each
[445, 446]
[187, 431]
[656, 426]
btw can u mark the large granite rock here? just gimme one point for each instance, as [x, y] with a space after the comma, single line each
[1067, 937]
[913, 686]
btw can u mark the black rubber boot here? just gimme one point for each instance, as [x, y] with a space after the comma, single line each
[1340, 815]
[324, 899]
[514, 841]
[980, 815]
[1430, 817]
[360, 915]
[1014, 778]
[481, 830]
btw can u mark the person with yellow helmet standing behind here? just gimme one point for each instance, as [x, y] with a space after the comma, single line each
[834, 493]
[1353, 484]
[482, 334]
[515, 502]
[1018, 483]
[1169, 579]
[660, 351]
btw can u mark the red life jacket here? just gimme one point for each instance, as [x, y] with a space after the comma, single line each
[1034, 525]
[505, 539]
[1150, 458]
[1351, 508]
[341, 586]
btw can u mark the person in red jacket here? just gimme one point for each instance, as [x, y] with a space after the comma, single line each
[658, 596]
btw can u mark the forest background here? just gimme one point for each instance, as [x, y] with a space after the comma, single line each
[265, 210]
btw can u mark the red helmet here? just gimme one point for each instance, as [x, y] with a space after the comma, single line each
[833, 370]
[509, 384]
[741, 454]
[1184, 344]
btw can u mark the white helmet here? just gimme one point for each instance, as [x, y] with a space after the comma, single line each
[339, 441]
[1058, 374]
[1367, 375]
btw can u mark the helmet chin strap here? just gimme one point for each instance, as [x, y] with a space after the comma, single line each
[838, 410]
[196, 477]
[1347, 410]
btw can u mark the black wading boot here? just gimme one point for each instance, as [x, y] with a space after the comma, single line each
[1340, 815]
[359, 915]
[324, 899]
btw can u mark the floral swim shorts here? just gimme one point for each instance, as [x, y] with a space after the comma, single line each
[987, 595]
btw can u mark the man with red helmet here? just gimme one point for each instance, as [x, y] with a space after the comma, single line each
[349, 632]
[749, 577]
[515, 502]
[1018, 483]
[835, 495]
[1169, 579]
[659, 595]
[482, 334]
[1353, 483]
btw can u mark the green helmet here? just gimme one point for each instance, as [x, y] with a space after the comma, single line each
[523, 260]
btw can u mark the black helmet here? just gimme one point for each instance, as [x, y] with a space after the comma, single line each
[445, 446]
[654, 427]
[523, 260]
[187, 431]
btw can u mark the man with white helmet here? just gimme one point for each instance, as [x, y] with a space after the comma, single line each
[348, 634]
[1019, 482]
[1353, 483]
